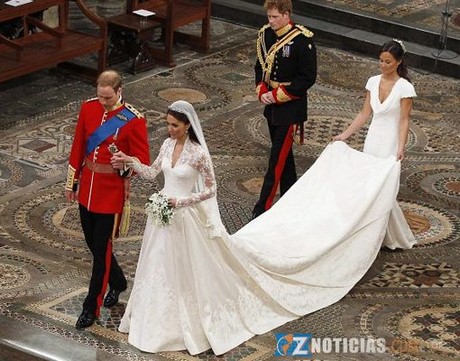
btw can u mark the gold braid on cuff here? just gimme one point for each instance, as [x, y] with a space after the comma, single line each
[70, 178]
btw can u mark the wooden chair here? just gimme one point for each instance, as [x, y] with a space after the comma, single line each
[49, 46]
[174, 14]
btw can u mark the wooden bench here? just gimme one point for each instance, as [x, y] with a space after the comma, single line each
[49, 46]
[172, 15]
[129, 37]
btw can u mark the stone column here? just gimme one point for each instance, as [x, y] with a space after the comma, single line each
[50, 17]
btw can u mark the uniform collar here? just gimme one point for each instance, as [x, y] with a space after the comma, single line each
[285, 29]
[117, 105]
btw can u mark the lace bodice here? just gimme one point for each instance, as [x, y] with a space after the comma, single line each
[181, 180]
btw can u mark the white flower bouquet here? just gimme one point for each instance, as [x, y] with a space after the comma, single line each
[159, 210]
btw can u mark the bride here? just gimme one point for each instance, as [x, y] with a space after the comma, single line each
[196, 287]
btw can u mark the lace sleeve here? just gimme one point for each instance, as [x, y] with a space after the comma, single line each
[204, 165]
[150, 171]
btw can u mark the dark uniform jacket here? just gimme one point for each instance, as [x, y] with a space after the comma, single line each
[286, 66]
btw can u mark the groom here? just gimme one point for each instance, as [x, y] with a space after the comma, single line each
[285, 69]
[105, 125]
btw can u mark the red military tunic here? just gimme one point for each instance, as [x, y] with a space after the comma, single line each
[103, 192]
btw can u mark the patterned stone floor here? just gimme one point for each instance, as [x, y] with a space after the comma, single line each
[410, 298]
[421, 14]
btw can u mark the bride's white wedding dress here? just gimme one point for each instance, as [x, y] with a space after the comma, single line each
[193, 291]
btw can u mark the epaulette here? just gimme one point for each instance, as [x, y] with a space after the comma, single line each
[91, 99]
[134, 110]
[263, 28]
[305, 31]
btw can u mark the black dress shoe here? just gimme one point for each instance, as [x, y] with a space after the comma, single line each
[86, 319]
[111, 299]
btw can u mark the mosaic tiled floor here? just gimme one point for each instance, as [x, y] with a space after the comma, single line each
[410, 298]
[421, 14]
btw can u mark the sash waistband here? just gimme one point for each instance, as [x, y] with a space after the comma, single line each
[99, 167]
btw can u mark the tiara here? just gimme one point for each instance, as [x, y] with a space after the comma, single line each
[180, 107]
[176, 108]
[400, 43]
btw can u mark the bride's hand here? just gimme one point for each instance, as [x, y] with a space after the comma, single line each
[119, 159]
[340, 137]
[172, 202]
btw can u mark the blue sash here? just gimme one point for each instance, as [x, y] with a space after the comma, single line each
[108, 128]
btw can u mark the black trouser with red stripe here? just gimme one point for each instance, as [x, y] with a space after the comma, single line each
[281, 167]
[99, 230]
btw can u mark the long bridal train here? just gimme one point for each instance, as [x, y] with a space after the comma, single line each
[304, 254]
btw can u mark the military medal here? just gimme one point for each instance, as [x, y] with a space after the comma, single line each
[286, 51]
[113, 148]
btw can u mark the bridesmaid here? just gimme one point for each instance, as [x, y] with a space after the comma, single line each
[389, 101]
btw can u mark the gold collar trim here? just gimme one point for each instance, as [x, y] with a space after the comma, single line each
[117, 105]
[284, 30]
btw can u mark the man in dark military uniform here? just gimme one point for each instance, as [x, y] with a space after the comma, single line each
[285, 69]
[105, 125]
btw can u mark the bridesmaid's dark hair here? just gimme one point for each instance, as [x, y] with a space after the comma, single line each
[396, 48]
[184, 119]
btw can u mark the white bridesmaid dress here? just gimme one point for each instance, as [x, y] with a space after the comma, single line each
[382, 140]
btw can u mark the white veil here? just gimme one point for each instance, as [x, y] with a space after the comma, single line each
[209, 206]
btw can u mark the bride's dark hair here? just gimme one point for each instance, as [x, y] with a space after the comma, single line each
[396, 48]
[184, 119]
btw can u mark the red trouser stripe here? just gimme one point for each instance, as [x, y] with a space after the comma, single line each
[108, 263]
[287, 144]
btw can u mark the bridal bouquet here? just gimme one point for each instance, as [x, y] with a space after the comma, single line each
[158, 209]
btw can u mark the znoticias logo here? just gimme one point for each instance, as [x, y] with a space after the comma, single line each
[305, 345]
